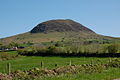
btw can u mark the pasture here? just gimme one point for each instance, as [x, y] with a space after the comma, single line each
[49, 62]
[29, 62]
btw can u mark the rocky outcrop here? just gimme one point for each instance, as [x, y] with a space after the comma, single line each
[60, 26]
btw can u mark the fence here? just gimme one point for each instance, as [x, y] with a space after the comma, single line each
[9, 67]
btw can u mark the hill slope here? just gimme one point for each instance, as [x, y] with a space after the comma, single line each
[57, 30]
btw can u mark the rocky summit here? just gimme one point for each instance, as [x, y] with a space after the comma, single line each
[60, 26]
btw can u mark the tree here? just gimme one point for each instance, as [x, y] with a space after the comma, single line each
[13, 44]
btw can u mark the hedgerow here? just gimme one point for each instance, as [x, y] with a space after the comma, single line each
[73, 50]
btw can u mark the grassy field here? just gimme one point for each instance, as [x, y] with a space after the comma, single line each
[26, 63]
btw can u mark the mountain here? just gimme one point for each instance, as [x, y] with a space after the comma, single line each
[59, 30]
[60, 26]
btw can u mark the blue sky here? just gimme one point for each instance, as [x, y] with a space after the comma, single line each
[19, 16]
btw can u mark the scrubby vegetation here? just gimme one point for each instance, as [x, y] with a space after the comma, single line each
[94, 50]
[8, 55]
[114, 48]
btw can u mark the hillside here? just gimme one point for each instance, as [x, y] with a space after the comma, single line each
[59, 30]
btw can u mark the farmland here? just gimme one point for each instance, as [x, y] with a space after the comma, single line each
[25, 63]
[28, 62]
[56, 60]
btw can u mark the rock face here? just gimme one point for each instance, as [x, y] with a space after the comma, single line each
[60, 26]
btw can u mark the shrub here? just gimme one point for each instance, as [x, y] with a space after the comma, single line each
[59, 50]
[113, 48]
[28, 52]
[7, 56]
[51, 49]
[59, 44]
[81, 50]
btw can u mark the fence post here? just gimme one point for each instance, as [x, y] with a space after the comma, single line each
[91, 61]
[9, 68]
[42, 65]
[56, 65]
[110, 60]
[70, 63]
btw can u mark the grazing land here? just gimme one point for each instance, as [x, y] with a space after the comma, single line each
[25, 63]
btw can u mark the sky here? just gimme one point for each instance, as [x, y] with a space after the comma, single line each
[19, 16]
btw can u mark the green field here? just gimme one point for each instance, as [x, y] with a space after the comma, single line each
[26, 63]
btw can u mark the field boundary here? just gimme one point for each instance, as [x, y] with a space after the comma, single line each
[10, 67]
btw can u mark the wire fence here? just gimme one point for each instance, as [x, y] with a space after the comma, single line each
[10, 67]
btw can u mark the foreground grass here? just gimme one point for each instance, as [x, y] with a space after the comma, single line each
[110, 74]
[26, 63]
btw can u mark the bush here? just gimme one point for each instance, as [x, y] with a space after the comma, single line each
[113, 48]
[59, 44]
[7, 56]
[73, 50]
[59, 50]
[27, 52]
[51, 49]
